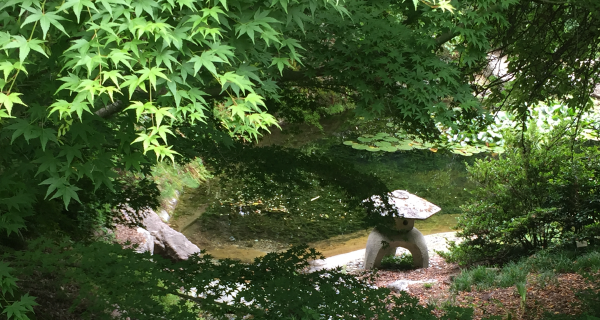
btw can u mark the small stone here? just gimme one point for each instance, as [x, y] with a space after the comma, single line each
[399, 285]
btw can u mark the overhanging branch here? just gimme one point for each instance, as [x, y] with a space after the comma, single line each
[445, 37]
[440, 40]
[111, 109]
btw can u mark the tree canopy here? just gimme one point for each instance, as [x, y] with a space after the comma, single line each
[92, 91]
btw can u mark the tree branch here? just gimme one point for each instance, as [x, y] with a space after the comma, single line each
[440, 40]
[111, 109]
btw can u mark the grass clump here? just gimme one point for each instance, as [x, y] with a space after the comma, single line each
[173, 178]
[401, 262]
[547, 278]
[481, 277]
[560, 262]
[545, 264]
[588, 262]
[512, 274]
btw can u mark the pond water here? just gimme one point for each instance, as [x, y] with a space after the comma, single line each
[241, 250]
[438, 177]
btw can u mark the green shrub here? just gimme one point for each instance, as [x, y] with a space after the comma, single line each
[462, 282]
[483, 278]
[551, 261]
[541, 261]
[541, 193]
[563, 264]
[545, 264]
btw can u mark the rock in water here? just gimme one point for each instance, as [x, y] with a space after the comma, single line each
[168, 242]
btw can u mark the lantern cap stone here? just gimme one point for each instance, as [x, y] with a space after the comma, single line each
[408, 205]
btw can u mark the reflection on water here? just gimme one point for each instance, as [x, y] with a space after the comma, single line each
[330, 247]
[438, 177]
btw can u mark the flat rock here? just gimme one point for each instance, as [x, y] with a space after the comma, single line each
[168, 242]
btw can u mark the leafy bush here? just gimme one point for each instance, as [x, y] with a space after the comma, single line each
[542, 193]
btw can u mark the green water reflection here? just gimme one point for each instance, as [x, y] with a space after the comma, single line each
[439, 177]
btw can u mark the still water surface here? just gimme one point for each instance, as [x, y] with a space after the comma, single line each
[329, 247]
[438, 177]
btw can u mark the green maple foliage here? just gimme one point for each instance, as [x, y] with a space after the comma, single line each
[93, 90]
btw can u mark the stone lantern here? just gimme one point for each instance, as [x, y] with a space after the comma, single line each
[404, 234]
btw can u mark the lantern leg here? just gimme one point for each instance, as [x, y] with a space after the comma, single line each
[380, 245]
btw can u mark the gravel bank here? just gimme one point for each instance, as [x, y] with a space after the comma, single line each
[354, 260]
